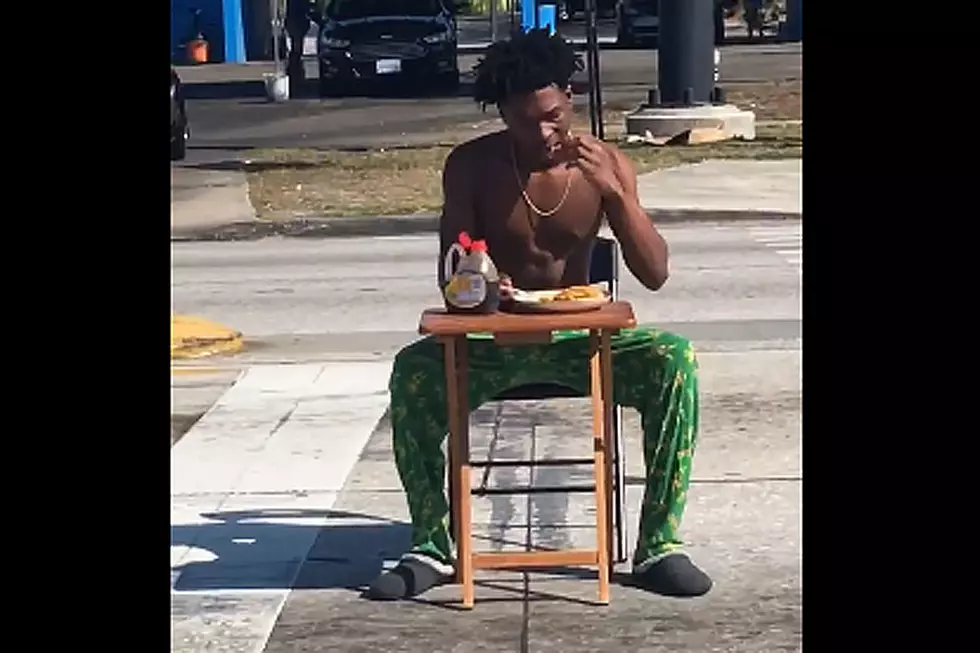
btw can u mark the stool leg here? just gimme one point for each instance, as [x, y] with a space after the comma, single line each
[600, 421]
[614, 459]
[457, 403]
[452, 419]
[452, 493]
[621, 514]
[610, 511]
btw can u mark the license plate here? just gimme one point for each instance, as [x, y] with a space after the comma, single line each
[388, 66]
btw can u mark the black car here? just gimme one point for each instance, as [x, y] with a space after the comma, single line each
[179, 127]
[576, 8]
[387, 40]
[637, 22]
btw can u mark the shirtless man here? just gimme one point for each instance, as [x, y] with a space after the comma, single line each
[537, 195]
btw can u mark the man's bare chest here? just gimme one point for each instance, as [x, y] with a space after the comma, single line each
[554, 211]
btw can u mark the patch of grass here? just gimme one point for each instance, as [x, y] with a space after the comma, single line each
[772, 142]
[770, 100]
[286, 184]
[297, 183]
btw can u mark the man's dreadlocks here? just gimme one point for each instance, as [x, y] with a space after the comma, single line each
[523, 64]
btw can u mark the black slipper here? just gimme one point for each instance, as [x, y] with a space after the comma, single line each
[406, 580]
[675, 576]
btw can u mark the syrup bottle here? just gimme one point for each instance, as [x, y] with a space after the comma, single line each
[473, 285]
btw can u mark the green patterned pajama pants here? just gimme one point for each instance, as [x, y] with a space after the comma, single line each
[654, 371]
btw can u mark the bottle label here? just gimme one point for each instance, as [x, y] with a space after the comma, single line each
[467, 290]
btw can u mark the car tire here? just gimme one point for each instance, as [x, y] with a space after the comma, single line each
[330, 88]
[449, 82]
[624, 40]
[178, 144]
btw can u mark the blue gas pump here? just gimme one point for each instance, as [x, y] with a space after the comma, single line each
[231, 18]
[536, 14]
[529, 17]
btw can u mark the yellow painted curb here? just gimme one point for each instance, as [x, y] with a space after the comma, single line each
[192, 337]
[188, 370]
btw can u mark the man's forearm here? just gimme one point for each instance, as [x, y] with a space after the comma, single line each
[644, 248]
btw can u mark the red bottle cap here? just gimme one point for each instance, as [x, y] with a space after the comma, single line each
[478, 246]
[465, 240]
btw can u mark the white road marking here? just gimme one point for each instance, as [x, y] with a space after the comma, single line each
[785, 240]
[252, 484]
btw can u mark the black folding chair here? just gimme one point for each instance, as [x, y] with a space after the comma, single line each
[603, 268]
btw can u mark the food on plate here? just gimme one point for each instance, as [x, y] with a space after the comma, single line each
[575, 293]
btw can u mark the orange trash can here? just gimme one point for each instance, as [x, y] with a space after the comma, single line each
[197, 51]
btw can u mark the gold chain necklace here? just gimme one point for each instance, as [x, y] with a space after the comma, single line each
[527, 198]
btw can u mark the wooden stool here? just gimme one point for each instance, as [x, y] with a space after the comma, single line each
[512, 330]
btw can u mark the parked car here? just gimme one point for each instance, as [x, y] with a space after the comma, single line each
[637, 22]
[576, 9]
[180, 130]
[388, 40]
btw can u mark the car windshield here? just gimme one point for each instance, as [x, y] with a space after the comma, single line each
[349, 9]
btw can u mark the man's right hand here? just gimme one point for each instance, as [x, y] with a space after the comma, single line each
[506, 288]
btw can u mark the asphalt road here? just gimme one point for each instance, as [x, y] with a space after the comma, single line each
[229, 114]
[296, 299]
[732, 291]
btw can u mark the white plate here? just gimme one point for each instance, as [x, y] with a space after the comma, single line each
[541, 296]
[388, 66]
[532, 301]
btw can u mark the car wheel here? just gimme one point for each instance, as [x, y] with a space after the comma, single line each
[449, 82]
[623, 39]
[330, 88]
[178, 146]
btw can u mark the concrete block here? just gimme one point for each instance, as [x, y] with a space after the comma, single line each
[656, 123]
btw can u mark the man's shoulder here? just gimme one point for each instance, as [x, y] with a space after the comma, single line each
[474, 149]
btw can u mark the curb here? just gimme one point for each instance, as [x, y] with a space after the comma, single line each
[577, 42]
[409, 225]
[192, 337]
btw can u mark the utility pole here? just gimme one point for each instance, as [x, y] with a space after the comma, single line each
[794, 20]
[685, 70]
[686, 96]
[493, 21]
[592, 66]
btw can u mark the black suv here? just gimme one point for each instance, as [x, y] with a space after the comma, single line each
[381, 40]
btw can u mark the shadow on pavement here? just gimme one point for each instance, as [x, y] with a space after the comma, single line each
[220, 148]
[254, 166]
[308, 89]
[230, 90]
[250, 549]
[764, 40]
[244, 544]
[399, 90]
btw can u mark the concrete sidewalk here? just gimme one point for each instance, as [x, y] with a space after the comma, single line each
[214, 205]
[279, 517]
[762, 188]
[205, 200]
